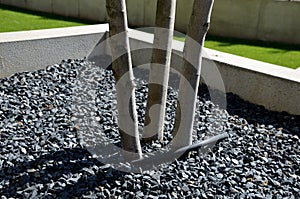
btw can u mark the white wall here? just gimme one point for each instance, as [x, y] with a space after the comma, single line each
[266, 20]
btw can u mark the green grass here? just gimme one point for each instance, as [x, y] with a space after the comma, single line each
[14, 19]
[274, 53]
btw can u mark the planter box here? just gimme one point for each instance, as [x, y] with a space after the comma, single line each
[275, 87]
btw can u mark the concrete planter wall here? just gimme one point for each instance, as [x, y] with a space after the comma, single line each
[277, 88]
[266, 20]
[31, 50]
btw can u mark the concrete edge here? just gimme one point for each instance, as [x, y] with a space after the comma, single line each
[52, 33]
[275, 87]
[230, 59]
[254, 65]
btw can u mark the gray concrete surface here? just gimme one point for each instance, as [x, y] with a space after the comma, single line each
[69, 8]
[42, 6]
[93, 10]
[277, 88]
[32, 50]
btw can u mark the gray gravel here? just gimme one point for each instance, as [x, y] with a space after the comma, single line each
[42, 154]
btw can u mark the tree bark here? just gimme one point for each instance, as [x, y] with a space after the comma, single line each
[189, 82]
[122, 67]
[159, 70]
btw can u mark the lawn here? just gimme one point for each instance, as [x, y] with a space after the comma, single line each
[274, 53]
[13, 19]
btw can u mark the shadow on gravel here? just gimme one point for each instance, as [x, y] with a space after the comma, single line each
[256, 114]
[51, 172]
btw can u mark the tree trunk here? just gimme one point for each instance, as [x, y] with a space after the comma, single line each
[122, 67]
[189, 82]
[159, 70]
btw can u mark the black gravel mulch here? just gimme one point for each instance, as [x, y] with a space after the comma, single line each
[43, 154]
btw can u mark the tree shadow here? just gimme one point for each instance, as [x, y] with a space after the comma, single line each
[257, 114]
[55, 169]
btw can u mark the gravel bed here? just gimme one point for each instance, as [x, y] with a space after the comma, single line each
[43, 154]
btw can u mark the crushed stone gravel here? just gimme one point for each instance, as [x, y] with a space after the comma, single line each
[43, 155]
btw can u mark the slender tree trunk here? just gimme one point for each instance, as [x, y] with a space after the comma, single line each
[159, 70]
[122, 67]
[189, 82]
